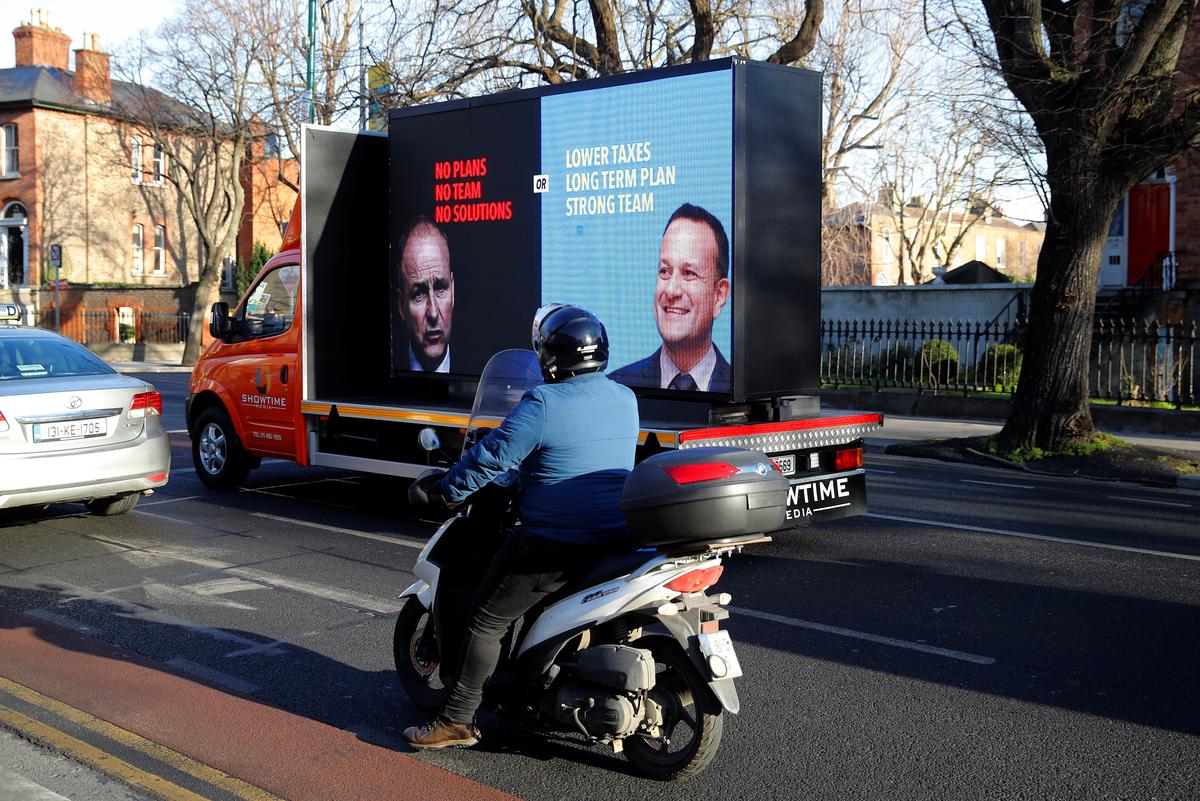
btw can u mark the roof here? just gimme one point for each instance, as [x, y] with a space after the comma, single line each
[49, 87]
[975, 272]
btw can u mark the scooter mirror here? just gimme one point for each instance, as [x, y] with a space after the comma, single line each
[428, 439]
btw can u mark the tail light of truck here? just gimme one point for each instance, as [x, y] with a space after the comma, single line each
[696, 580]
[849, 459]
[705, 471]
[145, 404]
[3, 423]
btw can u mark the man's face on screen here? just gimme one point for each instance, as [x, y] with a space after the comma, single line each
[427, 295]
[690, 293]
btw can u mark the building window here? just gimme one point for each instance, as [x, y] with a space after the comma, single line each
[160, 164]
[227, 276]
[11, 142]
[1000, 245]
[135, 160]
[126, 325]
[980, 248]
[160, 249]
[137, 249]
[271, 146]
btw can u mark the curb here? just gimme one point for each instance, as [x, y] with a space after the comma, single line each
[1189, 482]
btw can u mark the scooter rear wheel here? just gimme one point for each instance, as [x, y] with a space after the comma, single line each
[692, 721]
[415, 649]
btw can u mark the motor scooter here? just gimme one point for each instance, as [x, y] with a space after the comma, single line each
[630, 654]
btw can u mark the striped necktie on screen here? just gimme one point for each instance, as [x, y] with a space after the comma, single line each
[683, 381]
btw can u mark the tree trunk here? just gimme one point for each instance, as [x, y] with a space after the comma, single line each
[1050, 409]
[208, 290]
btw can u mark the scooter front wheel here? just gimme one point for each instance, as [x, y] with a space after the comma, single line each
[415, 648]
[692, 722]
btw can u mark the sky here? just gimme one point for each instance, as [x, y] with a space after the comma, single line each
[114, 22]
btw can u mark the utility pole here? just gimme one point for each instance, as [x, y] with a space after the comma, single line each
[362, 74]
[312, 46]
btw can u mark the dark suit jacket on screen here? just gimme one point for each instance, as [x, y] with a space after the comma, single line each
[647, 373]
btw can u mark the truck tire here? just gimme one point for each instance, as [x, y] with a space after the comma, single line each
[114, 505]
[217, 453]
[692, 720]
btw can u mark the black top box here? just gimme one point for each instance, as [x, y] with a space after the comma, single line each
[703, 495]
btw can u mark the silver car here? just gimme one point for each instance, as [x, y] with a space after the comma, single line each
[72, 428]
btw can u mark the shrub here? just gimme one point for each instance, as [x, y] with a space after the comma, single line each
[938, 362]
[1000, 367]
[895, 364]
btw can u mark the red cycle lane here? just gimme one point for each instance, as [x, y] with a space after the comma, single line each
[286, 754]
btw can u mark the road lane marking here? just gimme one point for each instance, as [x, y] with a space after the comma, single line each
[214, 676]
[171, 500]
[997, 484]
[1023, 535]
[877, 470]
[961, 656]
[1151, 500]
[366, 535]
[160, 753]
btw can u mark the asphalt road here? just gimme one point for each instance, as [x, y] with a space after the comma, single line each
[980, 634]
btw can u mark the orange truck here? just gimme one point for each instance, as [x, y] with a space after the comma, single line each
[414, 254]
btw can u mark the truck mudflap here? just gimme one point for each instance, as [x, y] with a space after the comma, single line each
[820, 499]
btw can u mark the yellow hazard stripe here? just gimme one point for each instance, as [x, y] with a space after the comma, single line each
[105, 762]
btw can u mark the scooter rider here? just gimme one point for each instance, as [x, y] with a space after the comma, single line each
[574, 439]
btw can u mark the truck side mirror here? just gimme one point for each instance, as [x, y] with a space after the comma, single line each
[218, 320]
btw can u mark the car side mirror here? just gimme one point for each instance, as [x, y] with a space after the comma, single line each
[218, 320]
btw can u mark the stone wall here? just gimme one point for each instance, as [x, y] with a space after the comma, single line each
[951, 302]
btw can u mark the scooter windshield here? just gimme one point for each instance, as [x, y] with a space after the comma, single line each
[505, 379]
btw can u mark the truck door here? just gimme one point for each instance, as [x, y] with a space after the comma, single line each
[265, 381]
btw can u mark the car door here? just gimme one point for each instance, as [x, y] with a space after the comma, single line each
[265, 380]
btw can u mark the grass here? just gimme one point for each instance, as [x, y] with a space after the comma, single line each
[1098, 443]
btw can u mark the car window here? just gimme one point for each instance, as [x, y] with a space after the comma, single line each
[46, 357]
[272, 303]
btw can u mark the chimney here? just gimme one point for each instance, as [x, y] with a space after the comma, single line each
[38, 45]
[92, 80]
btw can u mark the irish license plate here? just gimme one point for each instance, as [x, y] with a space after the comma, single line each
[785, 462]
[74, 429]
[719, 644]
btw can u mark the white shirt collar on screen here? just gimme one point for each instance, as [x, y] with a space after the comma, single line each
[413, 364]
[701, 371]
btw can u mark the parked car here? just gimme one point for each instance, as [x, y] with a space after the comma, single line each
[72, 428]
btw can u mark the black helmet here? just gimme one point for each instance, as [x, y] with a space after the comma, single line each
[569, 341]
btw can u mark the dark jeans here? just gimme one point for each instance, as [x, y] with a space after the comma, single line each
[526, 569]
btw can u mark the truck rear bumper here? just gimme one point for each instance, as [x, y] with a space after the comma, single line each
[820, 499]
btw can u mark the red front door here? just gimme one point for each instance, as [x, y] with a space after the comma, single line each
[1149, 227]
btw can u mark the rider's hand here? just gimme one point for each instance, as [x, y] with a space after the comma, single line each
[427, 490]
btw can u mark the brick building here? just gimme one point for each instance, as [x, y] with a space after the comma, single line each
[75, 174]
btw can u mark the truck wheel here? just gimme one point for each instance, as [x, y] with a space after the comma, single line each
[692, 723]
[114, 505]
[217, 454]
[415, 649]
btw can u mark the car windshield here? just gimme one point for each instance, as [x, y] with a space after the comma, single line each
[46, 357]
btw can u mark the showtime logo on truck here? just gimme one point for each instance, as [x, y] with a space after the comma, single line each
[813, 497]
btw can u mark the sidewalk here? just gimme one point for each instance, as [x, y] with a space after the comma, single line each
[149, 367]
[899, 428]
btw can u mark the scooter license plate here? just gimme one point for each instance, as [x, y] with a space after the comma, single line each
[720, 645]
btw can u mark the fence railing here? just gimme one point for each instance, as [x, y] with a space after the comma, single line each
[117, 326]
[1131, 361]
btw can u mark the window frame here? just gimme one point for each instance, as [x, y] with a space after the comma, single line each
[138, 247]
[160, 250]
[10, 132]
[245, 319]
[136, 165]
[160, 164]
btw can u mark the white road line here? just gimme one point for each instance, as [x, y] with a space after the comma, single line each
[1002, 532]
[366, 535]
[997, 484]
[214, 676]
[64, 621]
[1150, 500]
[877, 470]
[169, 500]
[961, 656]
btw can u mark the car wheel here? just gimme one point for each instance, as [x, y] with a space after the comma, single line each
[115, 505]
[217, 453]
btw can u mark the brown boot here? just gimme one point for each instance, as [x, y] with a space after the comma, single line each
[439, 733]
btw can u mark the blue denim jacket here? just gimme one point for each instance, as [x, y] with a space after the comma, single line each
[574, 442]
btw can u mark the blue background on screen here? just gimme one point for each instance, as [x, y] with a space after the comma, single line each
[609, 262]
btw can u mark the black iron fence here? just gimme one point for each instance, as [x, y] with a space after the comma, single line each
[121, 325]
[1131, 361]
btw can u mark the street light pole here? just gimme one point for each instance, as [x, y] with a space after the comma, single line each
[312, 45]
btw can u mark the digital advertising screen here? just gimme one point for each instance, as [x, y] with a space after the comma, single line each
[616, 196]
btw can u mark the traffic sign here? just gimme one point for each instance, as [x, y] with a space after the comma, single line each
[61, 283]
[56, 255]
